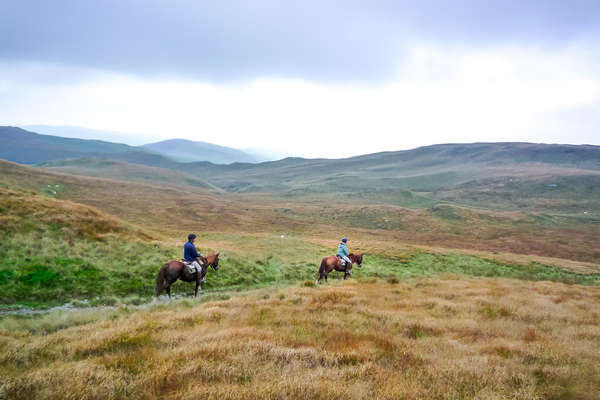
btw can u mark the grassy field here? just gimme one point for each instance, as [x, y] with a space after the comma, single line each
[49, 271]
[452, 302]
[417, 338]
[54, 250]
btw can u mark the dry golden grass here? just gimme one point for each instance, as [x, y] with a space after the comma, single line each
[21, 210]
[421, 339]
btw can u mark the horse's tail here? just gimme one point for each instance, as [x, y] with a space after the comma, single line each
[160, 279]
[323, 265]
[321, 269]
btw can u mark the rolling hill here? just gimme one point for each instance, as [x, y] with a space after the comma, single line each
[182, 150]
[123, 171]
[556, 179]
[508, 176]
[559, 179]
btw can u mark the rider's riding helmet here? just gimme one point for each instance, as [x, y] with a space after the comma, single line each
[191, 236]
[344, 239]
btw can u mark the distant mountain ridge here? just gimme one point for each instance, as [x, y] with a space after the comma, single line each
[259, 154]
[26, 147]
[183, 150]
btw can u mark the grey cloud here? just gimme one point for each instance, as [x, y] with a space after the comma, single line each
[237, 40]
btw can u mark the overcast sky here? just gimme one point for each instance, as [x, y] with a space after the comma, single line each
[310, 78]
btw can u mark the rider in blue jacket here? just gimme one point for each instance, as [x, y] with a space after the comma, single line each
[343, 253]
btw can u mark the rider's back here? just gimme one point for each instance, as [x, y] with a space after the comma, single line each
[189, 252]
[342, 250]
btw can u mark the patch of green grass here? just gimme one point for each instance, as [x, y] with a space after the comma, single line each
[491, 311]
[430, 265]
[445, 211]
[197, 183]
[31, 271]
[112, 271]
[51, 322]
[418, 331]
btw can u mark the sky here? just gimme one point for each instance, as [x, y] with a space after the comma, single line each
[312, 78]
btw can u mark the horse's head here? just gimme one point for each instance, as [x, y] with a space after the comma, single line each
[214, 261]
[357, 258]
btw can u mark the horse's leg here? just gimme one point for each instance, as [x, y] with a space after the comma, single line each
[168, 289]
[199, 279]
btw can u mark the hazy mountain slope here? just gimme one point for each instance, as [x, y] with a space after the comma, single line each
[187, 150]
[26, 147]
[262, 154]
[93, 134]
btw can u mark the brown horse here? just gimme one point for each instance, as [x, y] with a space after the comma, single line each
[174, 270]
[330, 263]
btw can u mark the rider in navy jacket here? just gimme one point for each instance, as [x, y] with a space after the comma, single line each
[189, 250]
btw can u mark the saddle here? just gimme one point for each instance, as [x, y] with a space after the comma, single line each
[342, 261]
[191, 267]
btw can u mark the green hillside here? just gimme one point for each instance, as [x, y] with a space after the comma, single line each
[419, 169]
[507, 176]
[511, 176]
[120, 170]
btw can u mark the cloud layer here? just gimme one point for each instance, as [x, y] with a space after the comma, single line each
[244, 40]
[509, 94]
[308, 78]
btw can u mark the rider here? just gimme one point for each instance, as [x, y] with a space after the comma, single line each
[342, 254]
[190, 255]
